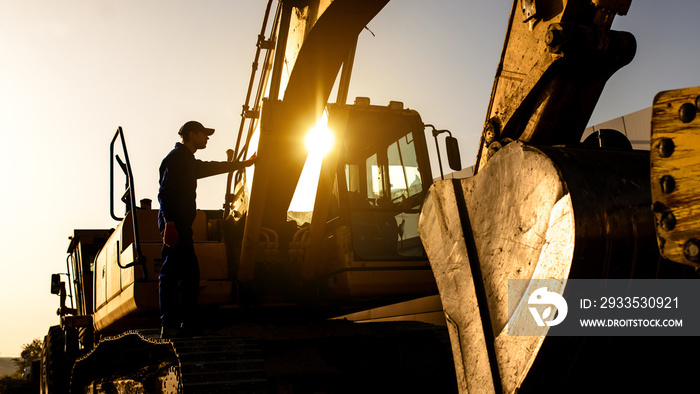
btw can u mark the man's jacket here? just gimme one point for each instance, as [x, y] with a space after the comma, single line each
[177, 194]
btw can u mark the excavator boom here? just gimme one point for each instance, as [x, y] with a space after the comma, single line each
[285, 123]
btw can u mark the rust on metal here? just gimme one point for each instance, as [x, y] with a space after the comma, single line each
[675, 173]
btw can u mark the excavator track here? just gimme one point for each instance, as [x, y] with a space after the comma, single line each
[221, 365]
[323, 357]
[140, 362]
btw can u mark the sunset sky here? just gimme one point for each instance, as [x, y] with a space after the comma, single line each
[75, 70]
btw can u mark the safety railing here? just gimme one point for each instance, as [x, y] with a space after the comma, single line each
[129, 198]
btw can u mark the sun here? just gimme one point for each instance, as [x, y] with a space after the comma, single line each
[319, 139]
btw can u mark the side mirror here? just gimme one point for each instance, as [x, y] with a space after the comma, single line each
[55, 284]
[453, 157]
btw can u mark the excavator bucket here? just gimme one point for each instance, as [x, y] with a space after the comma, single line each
[531, 213]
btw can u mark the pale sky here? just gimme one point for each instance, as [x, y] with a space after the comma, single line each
[75, 70]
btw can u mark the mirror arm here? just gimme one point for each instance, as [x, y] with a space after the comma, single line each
[452, 147]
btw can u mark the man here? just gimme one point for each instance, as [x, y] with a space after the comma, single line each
[179, 273]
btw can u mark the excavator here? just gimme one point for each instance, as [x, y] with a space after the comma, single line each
[425, 264]
[275, 284]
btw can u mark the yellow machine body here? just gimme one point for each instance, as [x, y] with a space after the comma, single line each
[124, 294]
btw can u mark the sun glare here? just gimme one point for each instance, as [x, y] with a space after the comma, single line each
[320, 139]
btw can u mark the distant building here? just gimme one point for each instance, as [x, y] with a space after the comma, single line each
[636, 126]
[463, 173]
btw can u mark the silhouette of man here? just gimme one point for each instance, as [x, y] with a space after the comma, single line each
[179, 274]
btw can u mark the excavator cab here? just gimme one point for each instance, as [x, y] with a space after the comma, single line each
[384, 184]
[371, 191]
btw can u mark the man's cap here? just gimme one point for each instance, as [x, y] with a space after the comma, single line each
[194, 127]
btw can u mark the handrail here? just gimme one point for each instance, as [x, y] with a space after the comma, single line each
[247, 113]
[130, 197]
[70, 285]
